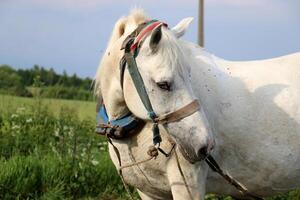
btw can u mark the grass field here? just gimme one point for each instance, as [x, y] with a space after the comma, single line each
[84, 109]
[49, 151]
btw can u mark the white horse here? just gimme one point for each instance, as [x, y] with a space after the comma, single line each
[252, 109]
[160, 61]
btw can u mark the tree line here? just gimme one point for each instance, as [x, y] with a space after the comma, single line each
[44, 82]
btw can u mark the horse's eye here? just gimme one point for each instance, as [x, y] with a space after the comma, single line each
[164, 85]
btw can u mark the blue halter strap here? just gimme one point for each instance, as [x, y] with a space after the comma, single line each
[117, 128]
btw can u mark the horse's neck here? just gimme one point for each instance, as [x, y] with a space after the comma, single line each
[208, 78]
[231, 108]
[113, 97]
[214, 86]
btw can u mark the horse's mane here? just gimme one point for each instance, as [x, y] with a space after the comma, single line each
[135, 17]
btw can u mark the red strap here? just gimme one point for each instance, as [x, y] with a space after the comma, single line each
[144, 33]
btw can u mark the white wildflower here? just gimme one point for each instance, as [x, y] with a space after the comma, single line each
[70, 151]
[14, 116]
[102, 149]
[15, 127]
[95, 162]
[102, 144]
[20, 109]
[56, 132]
[54, 150]
[71, 131]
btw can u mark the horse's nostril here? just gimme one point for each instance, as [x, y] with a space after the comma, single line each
[203, 151]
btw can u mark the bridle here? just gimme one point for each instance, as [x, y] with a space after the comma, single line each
[114, 129]
[131, 47]
[124, 126]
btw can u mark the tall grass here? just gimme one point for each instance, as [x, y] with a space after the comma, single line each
[50, 155]
[43, 156]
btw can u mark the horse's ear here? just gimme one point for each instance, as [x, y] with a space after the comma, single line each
[118, 30]
[155, 38]
[120, 26]
[180, 29]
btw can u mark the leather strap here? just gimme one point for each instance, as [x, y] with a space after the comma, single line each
[145, 32]
[216, 168]
[138, 82]
[179, 114]
[141, 90]
[122, 70]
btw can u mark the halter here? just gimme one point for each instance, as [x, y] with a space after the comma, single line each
[117, 129]
[132, 45]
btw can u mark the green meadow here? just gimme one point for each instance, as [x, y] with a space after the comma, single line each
[84, 109]
[49, 151]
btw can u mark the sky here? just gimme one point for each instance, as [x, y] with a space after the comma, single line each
[71, 35]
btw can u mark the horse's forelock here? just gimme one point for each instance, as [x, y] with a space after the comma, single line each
[137, 16]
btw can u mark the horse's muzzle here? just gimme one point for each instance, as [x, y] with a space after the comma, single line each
[202, 153]
[206, 150]
[191, 157]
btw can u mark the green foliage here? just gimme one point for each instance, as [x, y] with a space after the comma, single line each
[62, 92]
[18, 176]
[44, 82]
[11, 82]
[51, 157]
[293, 195]
[47, 157]
[50, 78]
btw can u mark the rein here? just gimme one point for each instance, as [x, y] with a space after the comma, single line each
[216, 168]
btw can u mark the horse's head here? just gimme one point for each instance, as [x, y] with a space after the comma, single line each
[165, 70]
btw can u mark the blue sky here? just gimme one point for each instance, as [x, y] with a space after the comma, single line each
[71, 35]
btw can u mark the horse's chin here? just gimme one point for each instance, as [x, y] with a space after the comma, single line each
[189, 156]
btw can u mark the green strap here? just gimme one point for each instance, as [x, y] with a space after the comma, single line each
[138, 82]
[140, 87]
